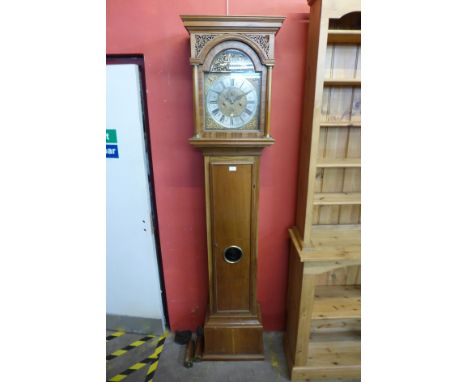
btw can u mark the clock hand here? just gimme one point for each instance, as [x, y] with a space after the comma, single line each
[231, 98]
[242, 95]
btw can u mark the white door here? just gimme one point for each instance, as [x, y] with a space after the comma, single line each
[133, 285]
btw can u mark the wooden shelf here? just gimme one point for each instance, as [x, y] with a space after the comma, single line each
[333, 354]
[332, 358]
[336, 302]
[337, 198]
[330, 327]
[350, 340]
[335, 242]
[332, 163]
[334, 364]
[342, 82]
[335, 347]
[344, 36]
[336, 233]
[340, 124]
[330, 244]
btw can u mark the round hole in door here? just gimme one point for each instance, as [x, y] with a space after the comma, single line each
[233, 254]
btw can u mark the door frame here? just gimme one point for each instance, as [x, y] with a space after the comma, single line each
[139, 60]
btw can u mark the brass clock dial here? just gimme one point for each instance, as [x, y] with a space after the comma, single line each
[232, 101]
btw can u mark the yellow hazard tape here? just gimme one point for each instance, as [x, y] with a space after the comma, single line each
[154, 365]
[114, 335]
[152, 360]
[125, 349]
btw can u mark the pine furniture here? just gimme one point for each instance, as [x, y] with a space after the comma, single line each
[322, 339]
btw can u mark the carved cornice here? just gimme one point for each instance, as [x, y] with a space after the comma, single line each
[258, 31]
[195, 23]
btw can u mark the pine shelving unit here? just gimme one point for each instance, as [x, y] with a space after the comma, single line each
[323, 333]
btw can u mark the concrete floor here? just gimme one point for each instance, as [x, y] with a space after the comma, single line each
[171, 369]
[273, 369]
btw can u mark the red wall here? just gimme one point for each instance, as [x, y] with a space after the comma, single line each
[153, 28]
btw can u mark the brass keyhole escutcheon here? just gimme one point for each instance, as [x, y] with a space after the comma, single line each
[233, 254]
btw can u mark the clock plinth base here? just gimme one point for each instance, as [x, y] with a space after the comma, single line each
[233, 338]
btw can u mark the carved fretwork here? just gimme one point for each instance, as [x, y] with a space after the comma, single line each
[262, 40]
[201, 40]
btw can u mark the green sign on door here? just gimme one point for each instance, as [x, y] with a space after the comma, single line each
[111, 136]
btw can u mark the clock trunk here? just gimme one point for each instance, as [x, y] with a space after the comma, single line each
[231, 190]
[233, 328]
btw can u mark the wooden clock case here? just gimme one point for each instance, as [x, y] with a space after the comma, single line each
[233, 326]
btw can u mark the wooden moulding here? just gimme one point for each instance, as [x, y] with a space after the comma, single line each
[227, 143]
[196, 103]
[268, 103]
[236, 23]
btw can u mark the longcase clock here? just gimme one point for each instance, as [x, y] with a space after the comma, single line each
[232, 59]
